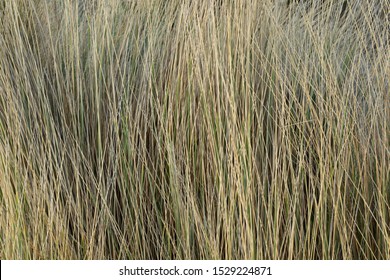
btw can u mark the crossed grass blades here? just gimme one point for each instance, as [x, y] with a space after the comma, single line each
[191, 129]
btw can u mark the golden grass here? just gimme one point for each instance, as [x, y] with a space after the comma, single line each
[193, 129]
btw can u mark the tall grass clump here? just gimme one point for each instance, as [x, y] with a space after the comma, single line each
[192, 129]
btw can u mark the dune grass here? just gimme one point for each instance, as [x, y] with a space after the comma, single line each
[191, 129]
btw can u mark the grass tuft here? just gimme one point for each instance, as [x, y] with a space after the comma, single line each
[155, 129]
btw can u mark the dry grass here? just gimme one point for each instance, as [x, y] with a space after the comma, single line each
[191, 129]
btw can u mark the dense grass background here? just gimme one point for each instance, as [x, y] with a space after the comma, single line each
[192, 129]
